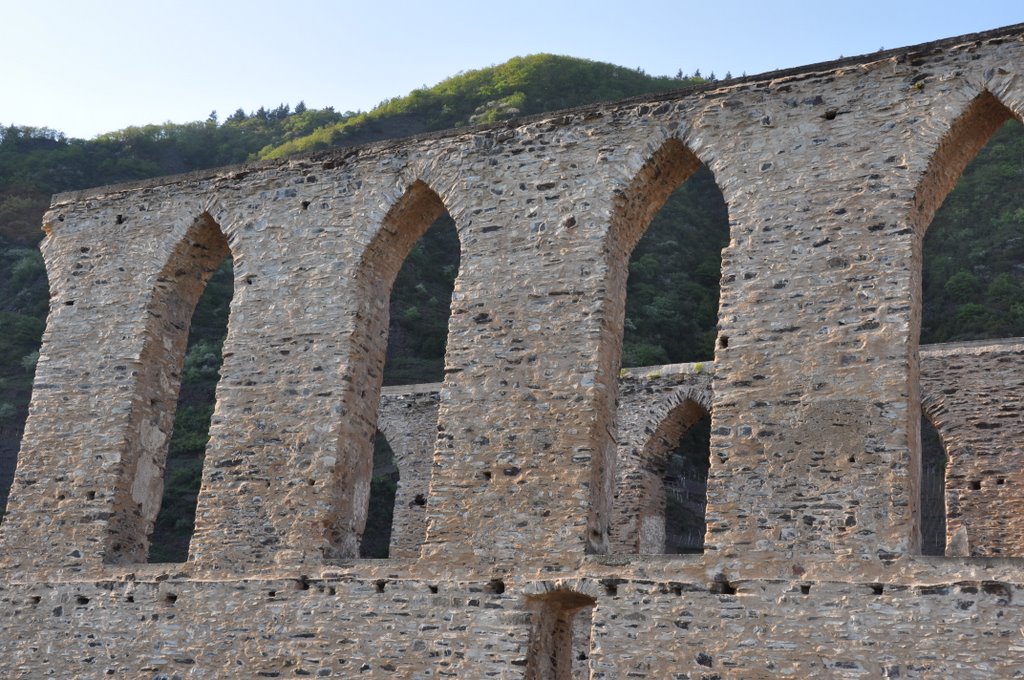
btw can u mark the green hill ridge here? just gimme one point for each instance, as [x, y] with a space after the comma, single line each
[521, 86]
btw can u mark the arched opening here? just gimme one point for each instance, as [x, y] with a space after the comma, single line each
[186, 452]
[404, 288]
[138, 496]
[420, 306]
[671, 313]
[970, 221]
[685, 485]
[661, 498]
[380, 511]
[664, 255]
[972, 282]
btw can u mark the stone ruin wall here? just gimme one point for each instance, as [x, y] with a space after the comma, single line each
[972, 392]
[407, 417]
[811, 566]
[969, 391]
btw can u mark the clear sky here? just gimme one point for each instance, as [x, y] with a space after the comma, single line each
[87, 67]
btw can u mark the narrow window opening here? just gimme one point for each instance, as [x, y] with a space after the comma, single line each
[971, 279]
[686, 490]
[933, 490]
[560, 631]
[672, 291]
[140, 491]
[421, 307]
[380, 513]
[175, 522]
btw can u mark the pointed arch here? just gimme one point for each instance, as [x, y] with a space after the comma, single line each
[406, 221]
[667, 168]
[966, 136]
[173, 300]
[671, 164]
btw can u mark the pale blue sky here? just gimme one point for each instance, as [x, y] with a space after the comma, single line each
[91, 67]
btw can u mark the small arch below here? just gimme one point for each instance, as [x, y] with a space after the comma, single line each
[685, 487]
[933, 490]
[561, 622]
[661, 496]
[376, 540]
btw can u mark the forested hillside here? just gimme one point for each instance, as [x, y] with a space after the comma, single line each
[974, 255]
[974, 249]
[520, 87]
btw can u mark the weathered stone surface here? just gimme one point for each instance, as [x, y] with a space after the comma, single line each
[972, 394]
[656, 407]
[408, 419]
[811, 564]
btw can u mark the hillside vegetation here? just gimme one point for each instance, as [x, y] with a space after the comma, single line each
[974, 254]
[520, 87]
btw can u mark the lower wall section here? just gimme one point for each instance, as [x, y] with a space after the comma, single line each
[637, 623]
[834, 630]
[260, 629]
